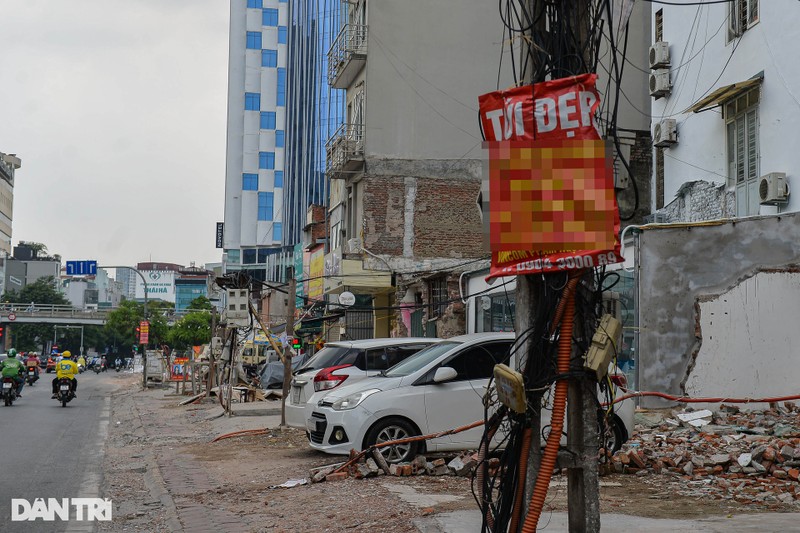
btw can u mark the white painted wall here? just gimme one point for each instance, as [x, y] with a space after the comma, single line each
[750, 340]
[702, 61]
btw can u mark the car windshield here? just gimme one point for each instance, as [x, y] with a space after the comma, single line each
[420, 359]
[328, 356]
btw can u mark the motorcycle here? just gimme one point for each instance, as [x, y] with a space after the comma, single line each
[64, 394]
[32, 377]
[9, 391]
[118, 365]
[96, 368]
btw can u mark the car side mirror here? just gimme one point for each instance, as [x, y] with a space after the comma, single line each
[444, 373]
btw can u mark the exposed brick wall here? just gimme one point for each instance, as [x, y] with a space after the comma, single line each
[384, 204]
[446, 219]
[451, 322]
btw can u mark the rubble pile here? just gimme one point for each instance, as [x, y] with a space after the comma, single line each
[462, 465]
[746, 456]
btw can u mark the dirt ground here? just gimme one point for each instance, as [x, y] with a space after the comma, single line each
[163, 474]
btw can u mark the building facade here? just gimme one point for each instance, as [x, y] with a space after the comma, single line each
[191, 283]
[405, 168]
[724, 109]
[9, 163]
[256, 138]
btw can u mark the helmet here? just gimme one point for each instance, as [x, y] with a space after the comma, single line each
[12, 352]
[67, 354]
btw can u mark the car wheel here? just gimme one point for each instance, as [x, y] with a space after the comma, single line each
[615, 434]
[394, 429]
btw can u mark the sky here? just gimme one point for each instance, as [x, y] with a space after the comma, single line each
[117, 109]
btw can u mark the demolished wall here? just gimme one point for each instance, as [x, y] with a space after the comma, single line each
[718, 306]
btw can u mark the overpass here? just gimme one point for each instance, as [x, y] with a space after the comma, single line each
[21, 313]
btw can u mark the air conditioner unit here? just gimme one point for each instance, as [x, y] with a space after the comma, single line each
[659, 55]
[773, 188]
[665, 133]
[656, 218]
[659, 83]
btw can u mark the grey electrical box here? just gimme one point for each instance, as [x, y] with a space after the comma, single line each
[216, 346]
[237, 310]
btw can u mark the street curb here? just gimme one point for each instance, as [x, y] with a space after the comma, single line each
[158, 490]
[157, 486]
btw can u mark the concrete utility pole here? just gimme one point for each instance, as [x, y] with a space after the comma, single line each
[583, 492]
[287, 354]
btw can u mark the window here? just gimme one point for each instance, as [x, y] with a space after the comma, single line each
[266, 160]
[495, 312]
[254, 40]
[269, 58]
[265, 201]
[252, 101]
[742, 15]
[278, 178]
[233, 256]
[437, 296]
[249, 182]
[741, 123]
[277, 231]
[280, 139]
[283, 1]
[281, 90]
[659, 25]
[269, 17]
[256, 4]
[282, 34]
[267, 120]
[249, 256]
[478, 362]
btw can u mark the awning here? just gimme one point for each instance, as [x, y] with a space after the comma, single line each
[726, 93]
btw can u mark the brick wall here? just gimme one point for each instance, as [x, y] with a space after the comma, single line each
[445, 224]
[446, 219]
[384, 200]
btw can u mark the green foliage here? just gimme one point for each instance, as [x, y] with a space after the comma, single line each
[191, 330]
[201, 302]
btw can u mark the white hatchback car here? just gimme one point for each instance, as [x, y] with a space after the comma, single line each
[439, 388]
[345, 362]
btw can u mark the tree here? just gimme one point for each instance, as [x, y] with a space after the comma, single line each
[201, 302]
[191, 330]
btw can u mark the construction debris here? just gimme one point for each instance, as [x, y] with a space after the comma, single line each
[462, 465]
[746, 456]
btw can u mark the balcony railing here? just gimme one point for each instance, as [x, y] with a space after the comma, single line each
[345, 151]
[347, 55]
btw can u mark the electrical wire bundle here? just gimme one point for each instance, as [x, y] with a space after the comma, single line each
[566, 38]
[508, 435]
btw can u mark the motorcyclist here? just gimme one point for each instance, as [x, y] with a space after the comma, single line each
[66, 368]
[13, 368]
[81, 362]
[118, 362]
[33, 362]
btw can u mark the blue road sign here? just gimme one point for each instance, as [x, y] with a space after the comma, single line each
[81, 268]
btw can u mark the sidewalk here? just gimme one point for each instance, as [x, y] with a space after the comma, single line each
[470, 522]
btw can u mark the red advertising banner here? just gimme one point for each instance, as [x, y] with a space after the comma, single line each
[557, 109]
[552, 205]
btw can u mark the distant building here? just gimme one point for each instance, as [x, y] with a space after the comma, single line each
[8, 164]
[127, 279]
[254, 175]
[160, 279]
[191, 283]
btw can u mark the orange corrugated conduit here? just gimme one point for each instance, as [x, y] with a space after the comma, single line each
[559, 407]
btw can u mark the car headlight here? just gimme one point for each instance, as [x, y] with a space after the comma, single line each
[353, 401]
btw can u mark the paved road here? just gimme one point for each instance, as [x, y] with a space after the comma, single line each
[47, 451]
